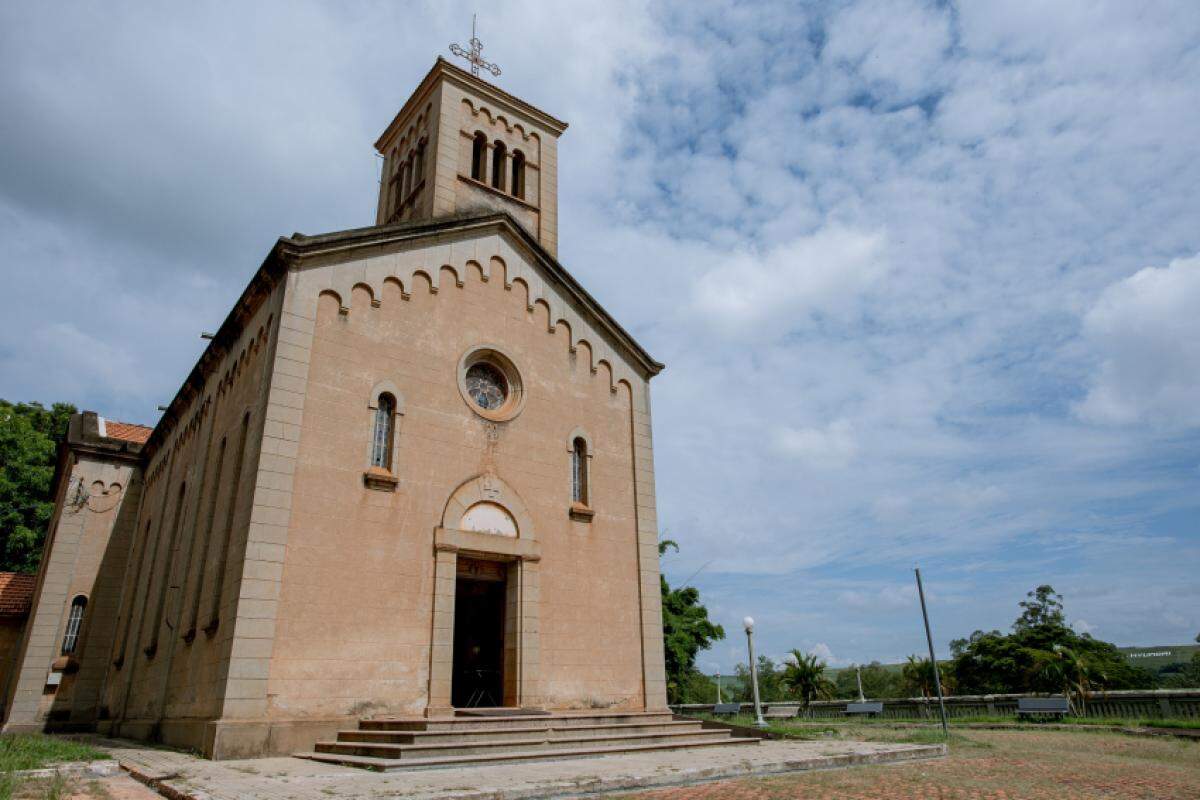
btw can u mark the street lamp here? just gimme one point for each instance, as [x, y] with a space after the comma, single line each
[759, 722]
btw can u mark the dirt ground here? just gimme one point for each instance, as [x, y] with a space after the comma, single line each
[991, 765]
[118, 787]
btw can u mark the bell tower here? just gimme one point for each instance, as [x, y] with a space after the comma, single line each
[461, 144]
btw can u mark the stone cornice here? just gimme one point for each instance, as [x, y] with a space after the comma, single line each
[500, 221]
[291, 252]
[444, 70]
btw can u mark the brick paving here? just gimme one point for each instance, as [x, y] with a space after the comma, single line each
[992, 765]
[299, 779]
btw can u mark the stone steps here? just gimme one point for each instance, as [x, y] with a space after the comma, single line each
[539, 754]
[389, 744]
[509, 734]
[408, 751]
[495, 723]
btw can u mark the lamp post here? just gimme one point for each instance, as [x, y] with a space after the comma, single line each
[759, 722]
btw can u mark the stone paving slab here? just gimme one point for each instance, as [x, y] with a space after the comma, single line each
[184, 777]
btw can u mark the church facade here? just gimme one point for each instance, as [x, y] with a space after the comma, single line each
[411, 473]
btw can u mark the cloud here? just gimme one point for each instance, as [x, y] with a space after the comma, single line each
[1146, 331]
[822, 652]
[832, 446]
[885, 251]
[792, 285]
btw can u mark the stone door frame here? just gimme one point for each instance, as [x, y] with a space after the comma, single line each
[523, 554]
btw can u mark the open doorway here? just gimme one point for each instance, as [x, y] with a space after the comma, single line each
[480, 600]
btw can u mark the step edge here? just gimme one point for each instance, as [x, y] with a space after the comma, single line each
[522, 755]
[633, 738]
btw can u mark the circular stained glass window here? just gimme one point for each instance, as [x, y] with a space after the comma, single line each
[487, 386]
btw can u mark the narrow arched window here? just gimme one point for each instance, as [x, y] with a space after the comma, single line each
[74, 621]
[397, 181]
[498, 165]
[381, 441]
[408, 176]
[579, 476]
[479, 157]
[518, 174]
[419, 166]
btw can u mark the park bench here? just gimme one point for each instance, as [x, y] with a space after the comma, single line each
[864, 709]
[782, 712]
[726, 709]
[1041, 707]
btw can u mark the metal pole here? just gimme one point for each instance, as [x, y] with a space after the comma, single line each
[759, 722]
[858, 675]
[718, 686]
[937, 678]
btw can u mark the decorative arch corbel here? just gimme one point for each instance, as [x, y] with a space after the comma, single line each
[488, 489]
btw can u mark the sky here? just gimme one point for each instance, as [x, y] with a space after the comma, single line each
[925, 276]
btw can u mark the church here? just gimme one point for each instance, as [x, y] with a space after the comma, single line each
[410, 475]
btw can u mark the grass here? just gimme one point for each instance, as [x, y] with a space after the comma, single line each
[34, 751]
[1144, 722]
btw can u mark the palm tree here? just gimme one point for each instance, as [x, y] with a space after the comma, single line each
[917, 675]
[804, 676]
[1062, 667]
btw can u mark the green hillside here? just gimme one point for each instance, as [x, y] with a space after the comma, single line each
[1155, 658]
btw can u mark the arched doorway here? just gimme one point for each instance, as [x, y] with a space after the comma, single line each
[484, 647]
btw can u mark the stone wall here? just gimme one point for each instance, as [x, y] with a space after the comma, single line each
[171, 667]
[1174, 703]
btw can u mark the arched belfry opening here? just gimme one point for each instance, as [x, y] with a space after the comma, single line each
[459, 146]
[485, 601]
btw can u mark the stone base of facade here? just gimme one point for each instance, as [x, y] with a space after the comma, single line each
[224, 739]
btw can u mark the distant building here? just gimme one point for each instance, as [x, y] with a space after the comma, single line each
[16, 598]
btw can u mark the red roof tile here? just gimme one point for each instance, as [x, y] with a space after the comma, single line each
[127, 431]
[16, 593]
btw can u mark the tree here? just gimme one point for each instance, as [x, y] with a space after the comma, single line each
[1042, 610]
[917, 677]
[1042, 654]
[1063, 669]
[877, 681]
[686, 631]
[29, 435]
[770, 682]
[804, 677]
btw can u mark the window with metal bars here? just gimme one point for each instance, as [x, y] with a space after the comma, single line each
[381, 441]
[74, 621]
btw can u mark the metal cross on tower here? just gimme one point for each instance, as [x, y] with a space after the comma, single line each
[473, 56]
